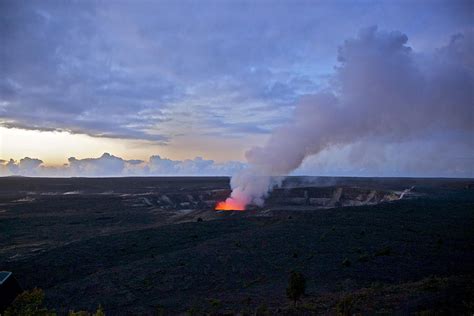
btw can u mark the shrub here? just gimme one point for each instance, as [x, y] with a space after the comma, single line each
[215, 303]
[29, 303]
[262, 310]
[296, 286]
[99, 312]
[345, 305]
[346, 262]
[160, 310]
[193, 311]
[385, 251]
[79, 313]
[364, 257]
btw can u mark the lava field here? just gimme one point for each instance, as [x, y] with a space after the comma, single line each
[156, 245]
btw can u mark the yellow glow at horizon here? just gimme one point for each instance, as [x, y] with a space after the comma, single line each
[54, 148]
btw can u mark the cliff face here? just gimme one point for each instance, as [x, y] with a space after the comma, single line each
[332, 196]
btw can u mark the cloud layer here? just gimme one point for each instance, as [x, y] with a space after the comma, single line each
[155, 70]
[109, 165]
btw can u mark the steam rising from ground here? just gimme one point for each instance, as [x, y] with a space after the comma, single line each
[381, 90]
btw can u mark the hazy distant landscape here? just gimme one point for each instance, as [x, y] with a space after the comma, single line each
[147, 245]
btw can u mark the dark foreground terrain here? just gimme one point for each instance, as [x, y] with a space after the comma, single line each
[148, 245]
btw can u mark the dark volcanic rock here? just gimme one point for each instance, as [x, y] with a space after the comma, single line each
[92, 248]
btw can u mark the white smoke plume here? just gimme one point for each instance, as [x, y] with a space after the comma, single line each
[381, 89]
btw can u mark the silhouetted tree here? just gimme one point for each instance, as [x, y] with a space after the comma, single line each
[296, 286]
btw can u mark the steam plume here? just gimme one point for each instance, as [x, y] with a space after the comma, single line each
[380, 89]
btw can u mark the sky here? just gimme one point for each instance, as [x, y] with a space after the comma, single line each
[109, 88]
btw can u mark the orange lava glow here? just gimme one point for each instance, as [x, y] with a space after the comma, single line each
[230, 205]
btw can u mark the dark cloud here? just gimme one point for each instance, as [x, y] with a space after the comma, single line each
[127, 69]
